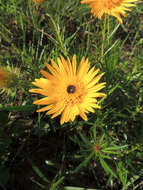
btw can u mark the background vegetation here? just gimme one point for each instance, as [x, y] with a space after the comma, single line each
[106, 152]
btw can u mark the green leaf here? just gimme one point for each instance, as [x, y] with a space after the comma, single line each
[78, 188]
[115, 148]
[54, 186]
[39, 173]
[19, 108]
[85, 139]
[110, 152]
[94, 131]
[122, 172]
[106, 167]
[102, 138]
[113, 89]
[84, 163]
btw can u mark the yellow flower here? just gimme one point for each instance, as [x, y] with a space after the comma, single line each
[38, 1]
[69, 90]
[110, 7]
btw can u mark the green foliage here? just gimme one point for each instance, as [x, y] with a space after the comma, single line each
[105, 152]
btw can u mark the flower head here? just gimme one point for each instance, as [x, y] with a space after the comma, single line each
[110, 7]
[69, 90]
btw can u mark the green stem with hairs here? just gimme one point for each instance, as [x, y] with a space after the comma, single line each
[103, 39]
[108, 28]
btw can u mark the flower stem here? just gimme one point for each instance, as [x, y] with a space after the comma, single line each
[108, 29]
[103, 39]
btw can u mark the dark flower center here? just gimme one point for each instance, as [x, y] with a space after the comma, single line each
[71, 89]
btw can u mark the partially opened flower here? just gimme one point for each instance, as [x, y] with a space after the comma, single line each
[7, 77]
[110, 7]
[3, 77]
[69, 90]
[38, 1]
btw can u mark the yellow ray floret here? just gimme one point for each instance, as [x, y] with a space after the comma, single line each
[69, 90]
[110, 7]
